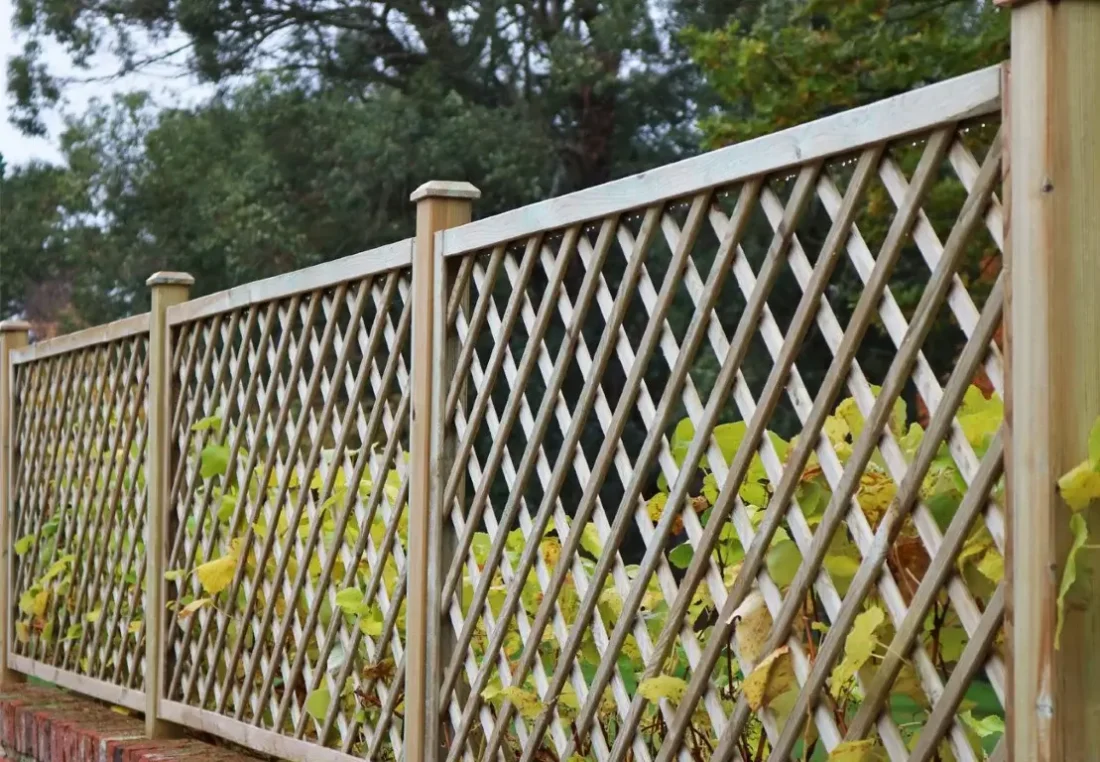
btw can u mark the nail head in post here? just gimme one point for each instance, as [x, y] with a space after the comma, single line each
[170, 279]
[445, 189]
[14, 326]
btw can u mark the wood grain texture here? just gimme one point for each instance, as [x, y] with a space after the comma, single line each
[1055, 382]
[423, 618]
[967, 96]
[71, 342]
[326, 274]
[158, 463]
[13, 336]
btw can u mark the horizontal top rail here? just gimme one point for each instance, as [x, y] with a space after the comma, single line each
[370, 262]
[71, 342]
[964, 97]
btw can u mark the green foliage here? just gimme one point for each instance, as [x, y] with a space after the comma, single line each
[825, 56]
[765, 679]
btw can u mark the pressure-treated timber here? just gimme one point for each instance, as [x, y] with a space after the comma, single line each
[13, 336]
[371, 262]
[168, 288]
[912, 112]
[1054, 114]
[439, 205]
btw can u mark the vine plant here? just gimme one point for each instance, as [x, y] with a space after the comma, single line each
[205, 588]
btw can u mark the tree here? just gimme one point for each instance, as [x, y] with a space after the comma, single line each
[600, 82]
[804, 59]
[38, 239]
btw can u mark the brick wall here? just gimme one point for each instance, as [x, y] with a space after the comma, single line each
[48, 725]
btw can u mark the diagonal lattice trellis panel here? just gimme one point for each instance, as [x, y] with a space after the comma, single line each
[79, 514]
[289, 492]
[726, 471]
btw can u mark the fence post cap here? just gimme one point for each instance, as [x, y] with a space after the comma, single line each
[445, 189]
[14, 326]
[170, 279]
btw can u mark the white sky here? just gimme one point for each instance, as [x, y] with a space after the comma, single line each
[18, 148]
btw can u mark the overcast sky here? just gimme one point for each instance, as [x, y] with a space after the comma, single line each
[18, 148]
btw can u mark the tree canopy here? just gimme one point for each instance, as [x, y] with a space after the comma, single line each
[328, 114]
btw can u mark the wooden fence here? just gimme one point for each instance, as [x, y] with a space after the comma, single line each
[708, 462]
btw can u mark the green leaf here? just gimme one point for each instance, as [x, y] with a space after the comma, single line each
[23, 544]
[74, 631]
[590, 540]
[318, 702]
[858, 647]
[210, 422]
[681, 556]
[682, 436]
[350, 600]
[214, 460]
[783, 559]
[1080, 536]
[985, 727]
[662, 687]
[93, 616]
[226, 507]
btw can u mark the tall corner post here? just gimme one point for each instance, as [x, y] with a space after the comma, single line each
[439, 205]
[13, 335]
[168, 288]
[1053, 111]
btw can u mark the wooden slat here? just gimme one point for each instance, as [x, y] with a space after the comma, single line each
[971, 95]
[71, 342]
[82, 684]
[300, 282]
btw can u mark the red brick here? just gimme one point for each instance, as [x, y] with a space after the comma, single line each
[46, 725]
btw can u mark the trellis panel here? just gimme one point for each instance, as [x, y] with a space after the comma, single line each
[704, 439]
[287, 553]
[78, 511]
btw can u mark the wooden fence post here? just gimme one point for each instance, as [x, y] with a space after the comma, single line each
[1054, 383]
[168, 288]
[13, 335]
[439, 205]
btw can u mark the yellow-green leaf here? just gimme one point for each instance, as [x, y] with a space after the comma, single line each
[213, 460]
[215, 576]
[210, 422]
[318, 702]
[74, 631]
[858, 647]
[193, 606]
[590, 540]
[662, 687]
[527, 703]
[866, 750]
[23, 544]
[772, 677]
[753, 624]
[1080, 486]
[350, 600]
[93, 615]
[1080, 536]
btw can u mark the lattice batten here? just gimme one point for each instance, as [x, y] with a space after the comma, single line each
[79, 415]
[849, 245]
